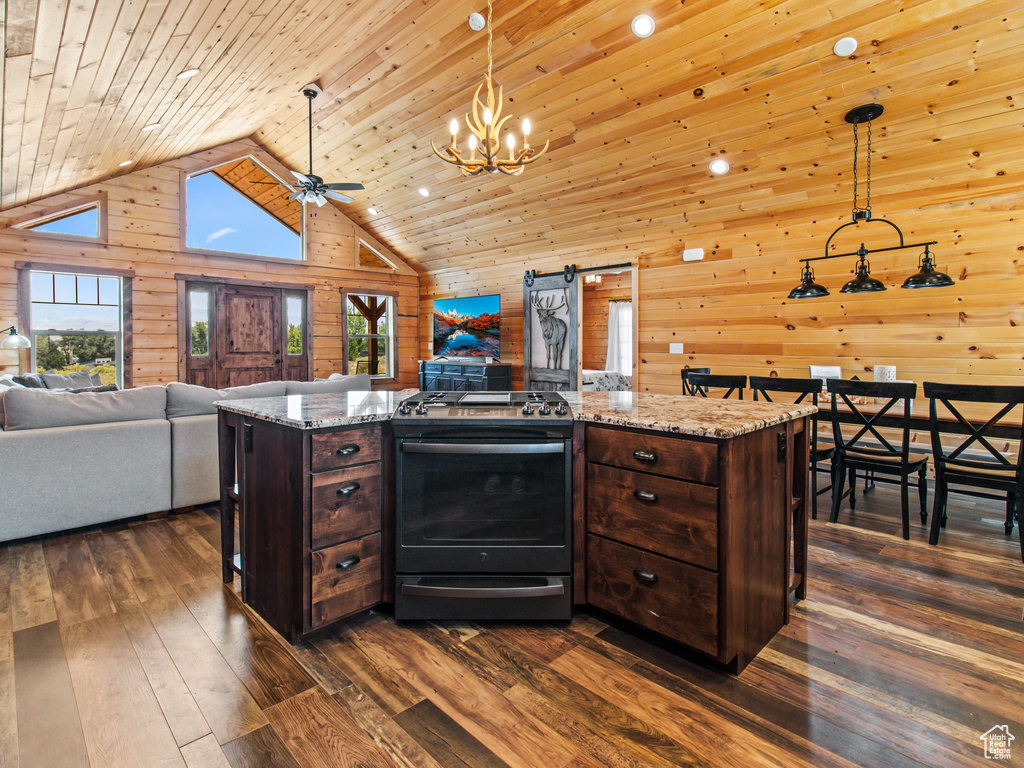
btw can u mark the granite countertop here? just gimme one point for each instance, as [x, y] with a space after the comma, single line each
[698, 416]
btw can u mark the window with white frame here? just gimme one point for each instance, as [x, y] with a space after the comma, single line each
[370, 334]
[77, 323]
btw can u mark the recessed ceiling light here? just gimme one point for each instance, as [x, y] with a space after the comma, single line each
[187, 74]
[845, 47]
[424, 191]
[151, 127]
[642, 25]
[719, 166]
[126, 162]
[372, 211]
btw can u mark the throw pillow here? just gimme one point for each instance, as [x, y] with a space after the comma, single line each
[32, 380]
[96, 380]
[67, 380]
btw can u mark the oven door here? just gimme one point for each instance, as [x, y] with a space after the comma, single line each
[483, 505]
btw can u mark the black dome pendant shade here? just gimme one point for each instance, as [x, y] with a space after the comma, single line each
[808, 289]
[927, 276]
[863, 282]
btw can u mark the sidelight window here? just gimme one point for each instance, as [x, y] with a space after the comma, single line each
[370, 334]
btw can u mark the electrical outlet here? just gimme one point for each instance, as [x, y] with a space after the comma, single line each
[676, 348]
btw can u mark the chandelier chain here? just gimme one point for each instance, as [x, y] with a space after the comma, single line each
[869, 168]
[490, 59]
[856, 147]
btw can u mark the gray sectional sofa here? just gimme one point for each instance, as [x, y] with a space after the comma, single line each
[73, 459]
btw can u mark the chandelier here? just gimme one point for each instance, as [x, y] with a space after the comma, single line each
[485, 126]
[926, 277]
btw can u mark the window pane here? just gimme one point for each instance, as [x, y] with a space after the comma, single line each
[295, 319]
[370, 345]
[64, 289]
[110, 290]
[42, 286]
[85, 222]
[88, 290]
[75, 317]
[368, 355]
[199, 309]
[67, 354]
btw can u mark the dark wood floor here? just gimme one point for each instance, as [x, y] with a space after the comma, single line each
[120, 647]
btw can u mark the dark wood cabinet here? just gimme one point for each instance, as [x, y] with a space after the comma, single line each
[690, 537]
[311, 510]
[465, 377]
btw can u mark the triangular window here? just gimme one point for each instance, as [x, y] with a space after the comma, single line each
[84, 222]
[240, 208]
[371, 259]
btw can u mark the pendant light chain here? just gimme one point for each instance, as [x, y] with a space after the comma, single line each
[490, 60]
[856, 148]
[869, 167]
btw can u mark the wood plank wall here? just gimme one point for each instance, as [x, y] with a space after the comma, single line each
[594, 315]
[144, 236]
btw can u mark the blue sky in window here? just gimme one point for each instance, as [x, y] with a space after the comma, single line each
[67, 289]
[220, 218]
[86, 223]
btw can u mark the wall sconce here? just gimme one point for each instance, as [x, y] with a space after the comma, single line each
[14, 340]
[926, 277]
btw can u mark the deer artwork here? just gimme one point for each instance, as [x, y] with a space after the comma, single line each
[553, 329]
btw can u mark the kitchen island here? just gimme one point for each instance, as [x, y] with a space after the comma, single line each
[689, 514]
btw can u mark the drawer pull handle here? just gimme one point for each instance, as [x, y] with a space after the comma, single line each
[641, 455]
[643, 495]
[348, 450]
[347, 562]
[347, 489]
[644, 574]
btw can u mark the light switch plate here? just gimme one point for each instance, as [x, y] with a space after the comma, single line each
[676, 348]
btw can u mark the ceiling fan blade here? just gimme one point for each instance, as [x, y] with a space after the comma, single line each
[335, 196]
[345, 186]
[304, 179]
[297, 194]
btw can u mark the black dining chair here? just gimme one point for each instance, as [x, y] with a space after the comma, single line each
[868, 450]
[700, 383]
[684, 372]
[762, 386]
[973, 461]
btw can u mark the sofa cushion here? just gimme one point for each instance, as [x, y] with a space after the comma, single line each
[33, 380]
[36, 409]
[96, 380]
[5, 386]
[358, 381]
[191, 400]
[67, 380]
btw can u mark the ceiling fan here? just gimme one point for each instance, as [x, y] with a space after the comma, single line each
[311, 188]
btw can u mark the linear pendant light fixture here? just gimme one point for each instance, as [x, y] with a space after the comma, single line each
[926, 277]
[485, 126]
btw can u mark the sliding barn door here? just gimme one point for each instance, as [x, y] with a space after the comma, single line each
[551, 312]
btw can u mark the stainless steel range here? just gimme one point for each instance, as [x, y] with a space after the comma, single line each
[483, 506]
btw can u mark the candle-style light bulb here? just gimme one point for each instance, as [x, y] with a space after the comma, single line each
[510, 141]
[487, 116]
[472, 147]
[453, 129]
[526, 133]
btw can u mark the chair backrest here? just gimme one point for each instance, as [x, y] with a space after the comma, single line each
[762, 385]
[865, 420]
[701, 382]
[1003, 399]
[685, 372]
[825, 372]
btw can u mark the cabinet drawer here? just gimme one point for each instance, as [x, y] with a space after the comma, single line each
[670, 517]
[681, 457]
[346, 504]
[345, 448]
[681, 603]
[454, 368]
[432, 367]
[345, 579]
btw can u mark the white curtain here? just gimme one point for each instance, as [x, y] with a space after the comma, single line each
[620, 337]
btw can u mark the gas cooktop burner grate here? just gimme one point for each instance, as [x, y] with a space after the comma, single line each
[503, 406]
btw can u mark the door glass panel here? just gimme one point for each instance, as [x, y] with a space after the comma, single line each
[199, 322]
[295, 318]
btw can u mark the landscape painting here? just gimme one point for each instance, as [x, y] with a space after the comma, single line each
[467, 327]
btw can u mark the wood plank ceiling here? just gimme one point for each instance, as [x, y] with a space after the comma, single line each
[632, 122]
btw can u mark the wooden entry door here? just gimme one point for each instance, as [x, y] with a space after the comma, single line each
[244, 334]
[551, 344]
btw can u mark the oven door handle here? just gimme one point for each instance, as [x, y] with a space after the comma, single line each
[483, 448]
[553, 587]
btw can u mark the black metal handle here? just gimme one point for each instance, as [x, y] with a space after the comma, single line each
[347, 562]
[641, 455]
[347, 489]
[483, 448]
[348, 450]
[552, 588]
[643, 574]
[643, 495]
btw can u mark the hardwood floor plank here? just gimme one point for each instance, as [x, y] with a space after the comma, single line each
[224, 700]
[122, 721]
[165, 551]
[49, 727]
[321, 733]
[323, 670]
[446, 741]
[260, 658]
[9, 752]
[259, 749]
[204, 753]
[79, 593]
[125, 571]
[386, 733]
[31, 597]
[184, 526]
